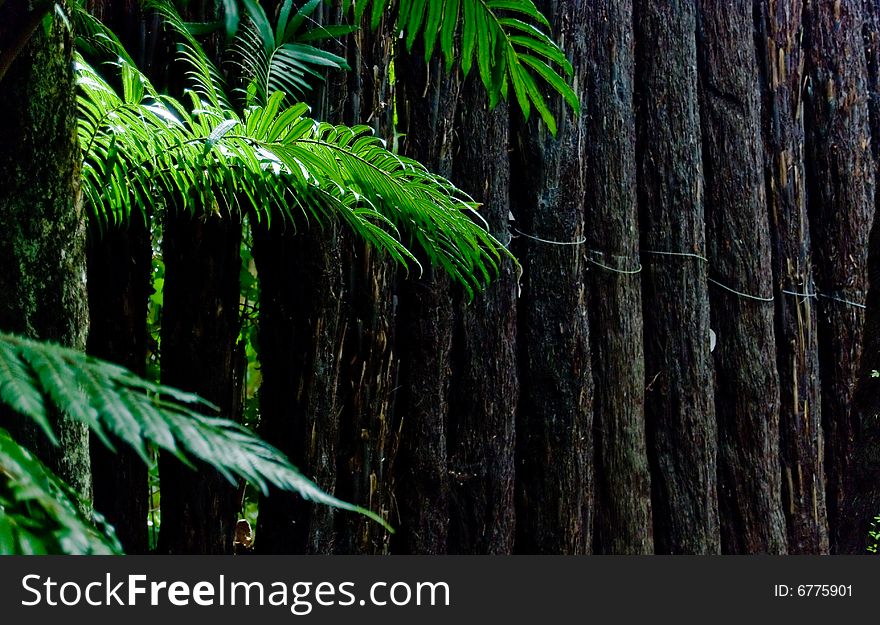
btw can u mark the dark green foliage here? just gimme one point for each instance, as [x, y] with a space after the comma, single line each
[36, 377]
[504, 39]
[39, 514]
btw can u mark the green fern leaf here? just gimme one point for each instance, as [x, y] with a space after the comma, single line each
[39, 514]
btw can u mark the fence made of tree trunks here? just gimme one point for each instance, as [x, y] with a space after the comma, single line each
[678, 363]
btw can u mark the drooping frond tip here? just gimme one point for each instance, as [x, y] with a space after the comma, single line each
[506, 40]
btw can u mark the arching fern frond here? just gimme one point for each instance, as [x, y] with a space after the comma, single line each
[143, 149]
[506, 40]
[39, 514]
[110, 399]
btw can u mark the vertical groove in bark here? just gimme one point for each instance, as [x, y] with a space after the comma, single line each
[554, 464]
[200, 326]
[427, 107]
[484, 383]
[778, 35]
[738, 237]
[840, 192]
[680, 412]
[42, 248]
[623, 523]
[300, 283]
[368, 434]
[119, 265]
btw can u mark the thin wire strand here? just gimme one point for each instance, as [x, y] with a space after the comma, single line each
[817, 295]
[698, 257]
[804, 295]
[580, 241]
[740, 293]
[842, 301]
[679, 254]
[624, 272]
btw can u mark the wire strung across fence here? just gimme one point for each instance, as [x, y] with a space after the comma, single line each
[703, 259]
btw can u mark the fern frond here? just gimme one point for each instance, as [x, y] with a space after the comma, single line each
[39, 514]
[506, 40]
[142, 149]
[108, 397]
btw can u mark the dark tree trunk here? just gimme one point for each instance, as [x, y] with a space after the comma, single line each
[299, 359]
[484, 383]
[840, 202]
[368, 433]
[427, 105]
[803, 485]
[554, 467]
[871, 43]
[199, 353]
[861, 496]
[680, 412]
[42, 248]
[200, 327]
[738, 237]
[300, 271]
[622, 521]
[120, 260]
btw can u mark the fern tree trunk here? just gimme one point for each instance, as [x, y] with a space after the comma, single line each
[119, 265]
[680, 411]
[622, 523]
[368, 434]
[300, 279]
[840, 192]
[738, 236]
[800, 424]
[427, 104]
[200, 328]
[484, 383]
[119, 262]
[554, 428]
[42, 246]
[199, 336]
[300, 271]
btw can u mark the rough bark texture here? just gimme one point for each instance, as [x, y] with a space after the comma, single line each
[483, 402]
[738, 238]
[427, 105]
[840, 203]
[554, 423]
[861, 496]
[119, 285]
[300, 284]
[42, 248]
[680, 411]
[782, 73]
[300, 271]
[368, 435]
[119, 257]
[200, 327]
[622, 523]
